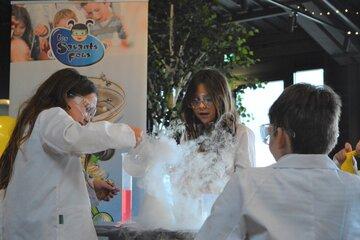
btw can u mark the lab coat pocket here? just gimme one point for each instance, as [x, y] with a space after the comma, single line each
[75, 223]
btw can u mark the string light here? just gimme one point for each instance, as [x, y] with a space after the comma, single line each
[328, 13]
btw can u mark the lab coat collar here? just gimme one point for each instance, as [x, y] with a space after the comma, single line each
[305, 161]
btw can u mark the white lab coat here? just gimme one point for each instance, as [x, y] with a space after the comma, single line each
[48, 180]
[245, 148]
[299, 197]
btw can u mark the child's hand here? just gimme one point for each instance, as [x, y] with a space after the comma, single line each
[357, 148]
[107, 43]
[41, 30]
[340, 156]
[138, 134]
[105, 190]
[44, 44]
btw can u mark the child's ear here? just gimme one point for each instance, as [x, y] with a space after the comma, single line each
[71, 23]
[89, 22]
[284, 141]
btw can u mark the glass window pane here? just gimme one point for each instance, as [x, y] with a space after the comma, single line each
[257, 102]
[314, 77]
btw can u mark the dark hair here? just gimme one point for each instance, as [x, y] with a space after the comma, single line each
[311, 114]
[52, 93]
[216, 85]
[79, 26]
[20, 13]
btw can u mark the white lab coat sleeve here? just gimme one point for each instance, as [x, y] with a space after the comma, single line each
[226, 220]
[59, 132]
[245, 148]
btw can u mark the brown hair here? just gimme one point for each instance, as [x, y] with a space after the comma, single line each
[64, 13]
[52, 93]
[218, 88]
[21, 14]
[311, 114]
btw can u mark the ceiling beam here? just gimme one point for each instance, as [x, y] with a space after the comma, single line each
[278, 68]
[330, 37]
[290, 9]
[339, 13]
[233, 6]
[286, 49]
[276, 38]
[257, 15]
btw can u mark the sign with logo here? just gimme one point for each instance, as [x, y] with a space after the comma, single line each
[105, 40]
[75, 46]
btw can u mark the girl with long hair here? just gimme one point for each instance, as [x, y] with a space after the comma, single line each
[208, 106]
[45, 191]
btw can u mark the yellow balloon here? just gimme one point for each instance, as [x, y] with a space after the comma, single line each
[7, 125]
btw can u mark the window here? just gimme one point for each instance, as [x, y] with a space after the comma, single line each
[315, 77]
[257, 102]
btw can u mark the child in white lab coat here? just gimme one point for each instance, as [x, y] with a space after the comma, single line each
[207, 101]
[40, 171]
[303, 195]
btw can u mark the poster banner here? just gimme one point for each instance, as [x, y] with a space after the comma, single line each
[104, 40]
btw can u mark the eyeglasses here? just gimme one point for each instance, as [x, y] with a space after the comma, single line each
[266, 130]
[90, 108]
[196, 102]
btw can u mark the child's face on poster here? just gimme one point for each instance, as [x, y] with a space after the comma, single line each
[18, 27]
[97, 11]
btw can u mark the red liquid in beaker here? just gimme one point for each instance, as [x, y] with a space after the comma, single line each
[126, 205]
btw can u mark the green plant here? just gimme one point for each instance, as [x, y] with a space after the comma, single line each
[185, 36]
